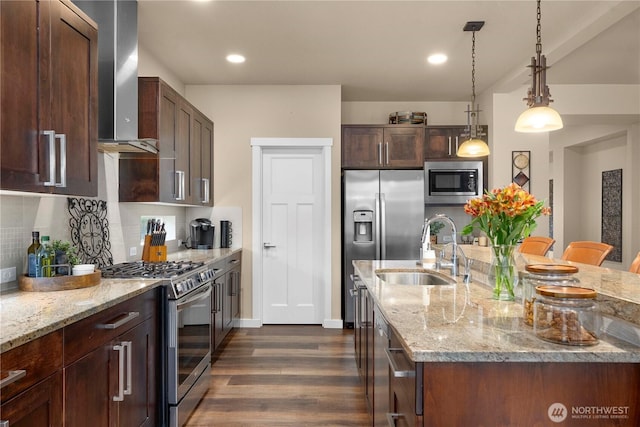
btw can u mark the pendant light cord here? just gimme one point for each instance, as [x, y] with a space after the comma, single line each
[539, 30]
[473, 70]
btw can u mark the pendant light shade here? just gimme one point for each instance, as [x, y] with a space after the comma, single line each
[473, 146]
[539, 117]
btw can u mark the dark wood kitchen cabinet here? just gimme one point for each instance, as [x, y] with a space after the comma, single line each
[112, 366]
[383, 146]
[201, 170]
[442, 142]
[364, 341]
[48, 80]
[225, 304]
[32, 376]
[181, 172]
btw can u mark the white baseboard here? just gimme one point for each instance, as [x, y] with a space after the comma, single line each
[332, 324]
[248, 323]
[256, 323]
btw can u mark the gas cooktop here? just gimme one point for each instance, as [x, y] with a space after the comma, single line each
[152, 270]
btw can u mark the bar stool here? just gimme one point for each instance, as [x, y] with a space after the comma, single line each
[587, 252]
[635, 265]
[536, 245]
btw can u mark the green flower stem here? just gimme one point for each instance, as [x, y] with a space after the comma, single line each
[505, 271]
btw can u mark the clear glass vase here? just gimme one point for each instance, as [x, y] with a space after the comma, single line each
[503, 273]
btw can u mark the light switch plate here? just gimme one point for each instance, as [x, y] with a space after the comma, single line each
[7, 275]
[133, 251]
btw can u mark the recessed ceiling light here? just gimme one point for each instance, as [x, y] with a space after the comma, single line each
[235, 58]
[437, 58]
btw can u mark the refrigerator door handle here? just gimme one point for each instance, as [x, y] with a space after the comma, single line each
[383, 227]
[377, 234]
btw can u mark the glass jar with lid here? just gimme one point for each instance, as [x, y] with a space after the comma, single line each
[544, 275]
[566, 315]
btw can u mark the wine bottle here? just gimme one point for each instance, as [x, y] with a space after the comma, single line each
[33, 269]
[44, 256]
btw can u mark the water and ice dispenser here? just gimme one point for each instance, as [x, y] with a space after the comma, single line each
[363, 226]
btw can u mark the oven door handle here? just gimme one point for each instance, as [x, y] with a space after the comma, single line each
[195, 298]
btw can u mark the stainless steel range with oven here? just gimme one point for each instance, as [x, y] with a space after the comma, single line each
[186, 338]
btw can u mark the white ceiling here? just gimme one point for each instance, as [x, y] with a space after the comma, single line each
[377, 49]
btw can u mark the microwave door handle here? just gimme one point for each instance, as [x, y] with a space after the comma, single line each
[383, 227]
[377, 230]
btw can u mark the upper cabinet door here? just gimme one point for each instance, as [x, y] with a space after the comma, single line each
[362, 146]
[403, 147]
[382, 147]
[19, 129]
[49, 98]
[73, 111]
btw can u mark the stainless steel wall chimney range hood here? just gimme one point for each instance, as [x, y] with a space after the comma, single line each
[117, 75]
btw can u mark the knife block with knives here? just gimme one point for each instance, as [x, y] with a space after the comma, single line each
[154, 249]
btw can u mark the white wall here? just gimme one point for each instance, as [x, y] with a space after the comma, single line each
[150, 66]
[242, 112]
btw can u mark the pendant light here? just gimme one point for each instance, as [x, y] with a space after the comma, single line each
[539, 117]
[474, 146]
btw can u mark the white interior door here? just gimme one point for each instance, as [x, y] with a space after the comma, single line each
[292, 235]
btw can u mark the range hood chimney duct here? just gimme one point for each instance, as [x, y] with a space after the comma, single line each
[117, 75]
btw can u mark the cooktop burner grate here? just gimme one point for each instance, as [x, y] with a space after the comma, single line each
[143, 269]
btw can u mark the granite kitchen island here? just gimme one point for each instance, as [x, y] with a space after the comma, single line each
[477, 363]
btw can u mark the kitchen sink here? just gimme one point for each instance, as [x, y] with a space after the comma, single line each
[414, 277]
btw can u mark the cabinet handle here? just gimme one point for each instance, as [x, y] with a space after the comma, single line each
[457, 138]
[12, 377]
[268, 245]
[129, 317]
[449, 145]
[120, 396]
[205, 186]
[397, 373]
[386, 150]
[51, 136]
[129, 349]
[179, 176]
[380, 153]
[63, 160]
[392, 417]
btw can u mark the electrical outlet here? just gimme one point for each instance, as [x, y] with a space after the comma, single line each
[7, 275]
[133, 251]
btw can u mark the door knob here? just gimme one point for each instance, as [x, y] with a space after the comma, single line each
[268, 245]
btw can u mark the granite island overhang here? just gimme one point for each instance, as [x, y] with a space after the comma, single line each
[463, 323]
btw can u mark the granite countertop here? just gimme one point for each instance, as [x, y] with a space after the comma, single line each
[463, 323]
[618, 291]
[25, 316]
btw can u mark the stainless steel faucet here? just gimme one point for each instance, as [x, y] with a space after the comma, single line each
[453, 263]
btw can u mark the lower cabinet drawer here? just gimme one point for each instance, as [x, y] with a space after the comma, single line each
[88, 334]
[30, 363]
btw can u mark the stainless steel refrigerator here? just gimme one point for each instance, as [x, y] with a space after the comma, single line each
[383, 213]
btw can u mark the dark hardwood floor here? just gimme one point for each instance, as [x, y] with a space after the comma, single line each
[283, 375]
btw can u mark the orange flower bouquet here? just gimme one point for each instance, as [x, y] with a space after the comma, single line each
[506, 215]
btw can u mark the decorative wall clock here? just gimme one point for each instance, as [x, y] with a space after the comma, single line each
[520, 168]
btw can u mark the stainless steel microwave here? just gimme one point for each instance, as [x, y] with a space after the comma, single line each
[452, 182]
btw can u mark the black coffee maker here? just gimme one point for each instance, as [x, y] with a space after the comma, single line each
[201, 234]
